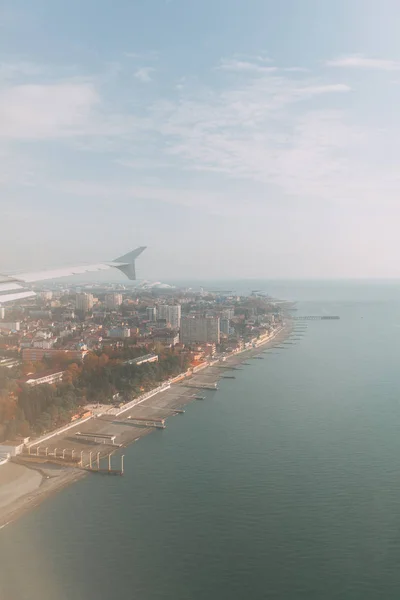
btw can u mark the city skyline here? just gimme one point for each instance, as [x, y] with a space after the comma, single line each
[236, 141]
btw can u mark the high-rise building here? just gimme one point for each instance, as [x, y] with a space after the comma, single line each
[228, 313]
[171, 313]
[112, 301]
[151, 313]
[84, 302]
[2, 312]
[162, 312]
[46, 295]
[224, 326]
[174, 316]
[200, 329]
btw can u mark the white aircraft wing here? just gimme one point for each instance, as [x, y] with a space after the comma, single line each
[31, 277]
[13, 287]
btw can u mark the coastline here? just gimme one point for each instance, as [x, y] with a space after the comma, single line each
[22, 490]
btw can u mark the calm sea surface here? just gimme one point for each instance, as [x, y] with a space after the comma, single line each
[283, 484]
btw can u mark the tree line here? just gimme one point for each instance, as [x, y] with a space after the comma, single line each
[102, 378]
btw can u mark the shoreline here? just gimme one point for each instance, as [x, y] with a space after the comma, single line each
[53, 478]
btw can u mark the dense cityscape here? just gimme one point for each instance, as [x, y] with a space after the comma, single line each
[69, 349]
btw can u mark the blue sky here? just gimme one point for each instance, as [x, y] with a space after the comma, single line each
[233, 138]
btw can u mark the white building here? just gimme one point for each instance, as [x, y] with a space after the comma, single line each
[9, 363]
[146, 358]
[200, 329]
[10, 326]
[228, 313]
[44, 335]
[171, 313]
[84, 302]
[112, 301]
[151, 313]
[174, 316]
[119, 332]
[46, 296]
[45, 344]
[2, 312]
[12, 448]
[47, 377]
[224, 326]
[67, 332]
[162, 311]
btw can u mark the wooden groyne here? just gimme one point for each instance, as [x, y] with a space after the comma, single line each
[202, 386]
[147, 422]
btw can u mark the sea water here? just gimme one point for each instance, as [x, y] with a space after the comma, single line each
[285, 483]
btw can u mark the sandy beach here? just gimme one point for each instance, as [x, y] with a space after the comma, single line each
[24, 485]
[17, 481]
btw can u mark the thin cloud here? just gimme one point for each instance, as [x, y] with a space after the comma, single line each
[270, 127]
[258, 131]
[17, 70]
[215, 202]
[144, 74]
[252, 57]
[45, 111]
[296, 70]
[245, 66]
[359, 61]
[255, 64]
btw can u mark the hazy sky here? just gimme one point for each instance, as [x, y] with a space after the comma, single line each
[247, 138]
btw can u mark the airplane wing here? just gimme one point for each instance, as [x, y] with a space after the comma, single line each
[13, 287]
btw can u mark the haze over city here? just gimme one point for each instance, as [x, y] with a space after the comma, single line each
[199, 299]
[255, 139]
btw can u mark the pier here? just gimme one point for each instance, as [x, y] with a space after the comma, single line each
[87, 461]
[103, 438]
[147, 422]
[109, 470]
[317, 318]
[202, 386]
[178, 411]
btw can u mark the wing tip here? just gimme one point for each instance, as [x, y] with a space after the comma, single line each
[130, 256]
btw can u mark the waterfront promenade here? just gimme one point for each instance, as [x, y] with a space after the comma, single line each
[22, 491]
